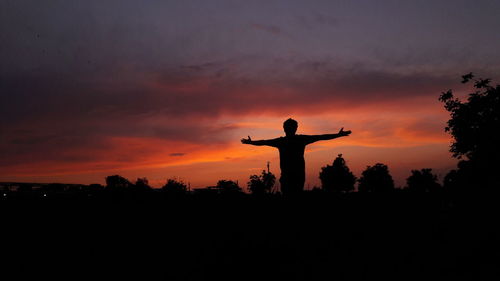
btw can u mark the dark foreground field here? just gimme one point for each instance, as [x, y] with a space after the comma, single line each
[401, 236]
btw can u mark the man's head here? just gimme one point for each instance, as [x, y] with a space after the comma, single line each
[290, 127]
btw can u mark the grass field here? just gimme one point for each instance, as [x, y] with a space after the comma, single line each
[317, 236]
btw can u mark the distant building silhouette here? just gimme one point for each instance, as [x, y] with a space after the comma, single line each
[223, 187]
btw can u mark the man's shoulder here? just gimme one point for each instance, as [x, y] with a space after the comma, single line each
[276, 141]
[280, 139]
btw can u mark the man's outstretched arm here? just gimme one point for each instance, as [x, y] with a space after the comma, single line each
[316, 138]
[271, 142]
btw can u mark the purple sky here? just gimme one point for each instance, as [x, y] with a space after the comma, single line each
[81, 81]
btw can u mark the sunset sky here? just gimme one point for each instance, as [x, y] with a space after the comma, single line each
[163, 89]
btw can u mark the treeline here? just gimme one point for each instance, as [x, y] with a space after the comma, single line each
[377, 178]
[335, 178]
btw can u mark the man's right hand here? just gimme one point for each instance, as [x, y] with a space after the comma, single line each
[246, 141]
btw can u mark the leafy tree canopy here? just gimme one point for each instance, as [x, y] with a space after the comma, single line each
[228, 186]
[337, 177]
[117, 182]
[474, 127]
[142, 184]
[422, 181]
[175, 186]
[376, 179]
[261, 184]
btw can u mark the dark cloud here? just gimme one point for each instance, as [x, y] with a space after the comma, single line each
[317, 19]
[60, 98]
[268, 28]
[200, 67]
[95, 103]
[177, 154]
[326, 19]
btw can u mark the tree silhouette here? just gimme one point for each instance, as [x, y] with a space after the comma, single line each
[142, 184]
[175, 186]
[228, 186]
[473, 126]
[376, 179]
[466, 175]
[422, 181]
[261, 184]
[337, 177]
[117, 183]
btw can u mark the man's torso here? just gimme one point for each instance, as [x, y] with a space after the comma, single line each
[291, 150]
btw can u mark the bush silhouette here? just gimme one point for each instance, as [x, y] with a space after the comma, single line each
[473, 126]
[376, 179]
[228, 186]
[175, 186]
[142, 184]
[261, 184]
[117, 183]
[422, 181]
[337, 177]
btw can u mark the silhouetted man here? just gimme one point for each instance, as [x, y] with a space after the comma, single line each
[291, 148]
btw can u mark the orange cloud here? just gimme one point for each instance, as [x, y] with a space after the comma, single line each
[141, 125]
